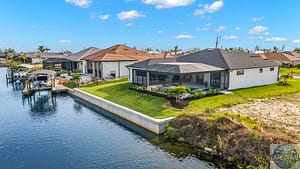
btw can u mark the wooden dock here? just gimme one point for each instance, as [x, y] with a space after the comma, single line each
[59, 89]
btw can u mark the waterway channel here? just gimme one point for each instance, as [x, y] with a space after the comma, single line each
[60, 132]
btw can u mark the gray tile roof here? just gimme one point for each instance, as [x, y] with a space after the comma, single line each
[226, 59]
[181, 68]
[147, 62]
[77, 56]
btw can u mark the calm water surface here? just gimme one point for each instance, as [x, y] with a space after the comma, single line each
[60, 133]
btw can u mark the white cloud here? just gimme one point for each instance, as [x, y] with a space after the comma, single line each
[296, 41]
[129, 24]
[80, 3]
[256, 19]
[104, 17]
[159, 31]
[93, 15]
[184, 37]
[207, 25]
[127, 15]
[259, 30]
[255, 37]
[35, 27]
[63, 41]
[231, 37]
[210, 8]
[220, 29]
[160, 4]
[276, 39]
[237, 28]
[202, 29]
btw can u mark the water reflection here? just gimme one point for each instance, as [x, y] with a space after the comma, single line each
[42, 104]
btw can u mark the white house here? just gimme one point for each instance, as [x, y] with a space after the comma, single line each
[111, 62]
[77, 57]
[209, 68]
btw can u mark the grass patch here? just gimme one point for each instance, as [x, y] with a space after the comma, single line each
[71, 85]
[245, 120]
[243, 96]
[118, 92]
[285, 71]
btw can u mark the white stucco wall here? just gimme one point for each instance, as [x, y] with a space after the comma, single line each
[156, 126]
[252, 77]
[108, 67]
[36, 60]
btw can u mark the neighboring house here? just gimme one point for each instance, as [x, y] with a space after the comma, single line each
[111, 62]
[2, 58]
[280, 58]
[209, 68]
[296, 54]
[59, 63]
[38, 57]
[76, 57]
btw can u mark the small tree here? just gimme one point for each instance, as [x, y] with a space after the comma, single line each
[297, 50]
[10, 53]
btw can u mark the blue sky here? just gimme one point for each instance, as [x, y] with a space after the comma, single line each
[158, 24]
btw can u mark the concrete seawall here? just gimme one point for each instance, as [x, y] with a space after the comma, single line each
[156, 126]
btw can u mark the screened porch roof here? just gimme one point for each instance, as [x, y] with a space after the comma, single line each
[181, 68]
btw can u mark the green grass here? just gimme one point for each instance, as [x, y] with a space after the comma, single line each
[71, 85]
[242, 96]
[285, 71]
[119, 93]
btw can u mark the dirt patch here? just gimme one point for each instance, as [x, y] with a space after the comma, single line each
[281, 114]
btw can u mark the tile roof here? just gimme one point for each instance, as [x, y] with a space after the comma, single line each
[226, 59]
[121, 53]
[81, 54]
[43, 55]
[278, 56]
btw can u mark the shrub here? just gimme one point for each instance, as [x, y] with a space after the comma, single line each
[61, 72]
[213, 91]
[177, 90]
[198, 93]
[76, 77]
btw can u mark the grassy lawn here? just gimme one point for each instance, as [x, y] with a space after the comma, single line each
[119, 93]
[285, 71]
[207, 105]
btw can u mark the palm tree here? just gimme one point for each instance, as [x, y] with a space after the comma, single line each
[43, 49]
[176, 49]
[275, 49]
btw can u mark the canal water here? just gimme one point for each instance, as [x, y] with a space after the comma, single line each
[45, 132]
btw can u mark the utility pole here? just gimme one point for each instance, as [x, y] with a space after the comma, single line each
[217, 41]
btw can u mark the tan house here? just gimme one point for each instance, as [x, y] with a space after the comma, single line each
[111, 62]
[281, 58]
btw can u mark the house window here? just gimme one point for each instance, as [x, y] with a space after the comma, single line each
[261, 70]
[240, 72]
[271, 69]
